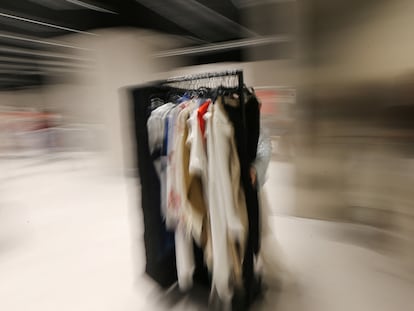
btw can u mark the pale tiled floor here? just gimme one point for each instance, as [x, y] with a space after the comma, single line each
[66, 244]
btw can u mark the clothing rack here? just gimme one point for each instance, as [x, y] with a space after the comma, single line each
[211, 75]
[160, 257]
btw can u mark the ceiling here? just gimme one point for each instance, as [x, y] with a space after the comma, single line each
[29, 56]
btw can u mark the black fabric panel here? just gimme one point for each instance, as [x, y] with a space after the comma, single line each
[160, 260]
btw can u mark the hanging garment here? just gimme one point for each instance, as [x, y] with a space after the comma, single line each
[198, 170]
[226, 202]
[196, 209]
[157, 142]
[173, 198]
[200, 114]
[246, 150]
[263, 156]
[252, 119]
[158, 126]
[182, 209]
[197, 141]
[184, 257]
[252, 132]
[198, 157]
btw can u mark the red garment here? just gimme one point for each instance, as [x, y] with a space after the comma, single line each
[200, 115]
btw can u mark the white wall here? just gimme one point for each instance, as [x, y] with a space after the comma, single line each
[32, 98]
[123, 57]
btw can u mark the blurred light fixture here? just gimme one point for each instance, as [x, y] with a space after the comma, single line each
[229, 45]
[23, 19]
[15, 61]
[63, 5]
[249, 3]
[20, 72]
[19, 38]
[19, 51]
[91, 6]
[54, 4]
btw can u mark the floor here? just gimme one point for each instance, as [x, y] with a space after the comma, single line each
[68, 242]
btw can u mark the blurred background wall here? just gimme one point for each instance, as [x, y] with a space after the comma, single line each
[354, 159]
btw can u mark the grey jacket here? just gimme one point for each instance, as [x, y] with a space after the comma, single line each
[263, 156]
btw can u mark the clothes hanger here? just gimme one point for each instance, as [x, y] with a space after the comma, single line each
[155, 101]
[203, 92]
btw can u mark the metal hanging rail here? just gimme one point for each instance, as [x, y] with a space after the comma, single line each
[211, 75]
[203, 76]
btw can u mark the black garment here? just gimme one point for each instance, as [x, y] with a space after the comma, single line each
[247, 137]
[252, 132]
[252, 113]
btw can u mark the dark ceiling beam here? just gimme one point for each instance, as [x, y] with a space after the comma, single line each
[35, 67]
[42, 54]
[12, 79]
[39, 62]
[28, 66]
[200, 20]
[220, 19]
[20, 72]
